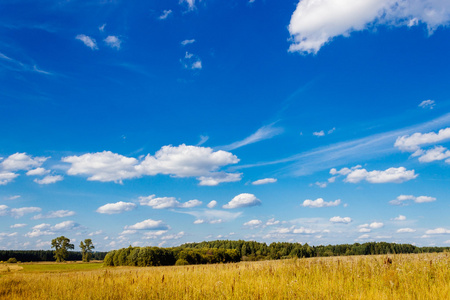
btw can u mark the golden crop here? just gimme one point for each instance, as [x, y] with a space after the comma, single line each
[407, 276]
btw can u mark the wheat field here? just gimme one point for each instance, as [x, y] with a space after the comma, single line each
[407, 276]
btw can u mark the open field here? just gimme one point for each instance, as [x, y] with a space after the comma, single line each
[409, 276]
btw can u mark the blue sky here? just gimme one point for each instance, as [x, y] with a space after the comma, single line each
[165, 122]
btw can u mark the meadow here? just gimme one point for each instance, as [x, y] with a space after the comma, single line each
[404, 276]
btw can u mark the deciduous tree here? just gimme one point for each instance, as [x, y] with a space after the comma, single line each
[61, 244]
[86, 250]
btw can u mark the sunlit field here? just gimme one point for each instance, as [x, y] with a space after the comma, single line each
[407, 276]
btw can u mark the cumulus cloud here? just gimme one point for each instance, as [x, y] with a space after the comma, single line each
[430, 104]
[219, 177]
[253, 223]
[406, 230]
[21, 161]
[319, 133]
[316, 22]
[18, 225]
[376, 225]
[438, 231]
[165, 14]
[47, 229]
[187, 42]
[212, 204]
[272, 222]
[37, 172]
[148, 224]
[243, 200]
[263, 133]
[411, 143]
[400, 218]
[181, 161]
[343, 171]
[154, 234]
[391, 175]
[66, 225]
[213, 216]
[364, 229]
[319, 202]
[54, 214]
[190, 3]
[88, 41]
[7, 177]
[401, 200]
[264, 181]
[191, 61]
[177, 236]
[113, 41]
[437, 153]
[338, 219]
[116, 208]
[167, 202]
[20, 212]
[49, 179]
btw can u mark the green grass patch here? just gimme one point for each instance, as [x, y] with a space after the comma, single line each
[60, 267]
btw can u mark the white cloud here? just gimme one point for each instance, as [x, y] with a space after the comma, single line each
[3, 210]
[263, 133]
[167, 202]
[438, 231]
[413, 142]
[364, 230]
[37, 172]
[393, 175]
[54, 214]
[212, 204]
[303, 230]
[322, 185]
[49, 179]
[4, 234]
[406, 230]
[400, 200]
[264, 181]
[102, 28]
[338, 219]
[128, 232]
[364, 236]
[148, 224]
[165, 14]
[13, 197]
[343, 171]
[7, 177]
[213, 216]
[199, 221]
[88, 41]
[437, 153]
[18, 225]
[38, 232]
[187, 42]
[95, 233]
[66, 225]
[219, 177]
[113, 41]
[243, 200]
[190, 3]
[20, 212]
[430, 104]
[154, 234]
[316, 22]
[116, 208]
[191, 61]
[319, 202]
[177, 236]
[319, 133]
[103, 166]
[253, 223]
[272, 222]
[21, 161]
[376, 225]
[400, 218]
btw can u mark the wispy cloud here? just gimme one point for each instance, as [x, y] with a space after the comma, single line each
[18, 66]
[347, 152]
[165, 14]
[263, 133]
[88, 41]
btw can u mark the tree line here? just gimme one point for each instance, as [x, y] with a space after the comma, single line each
[225, 251]
[45, 255]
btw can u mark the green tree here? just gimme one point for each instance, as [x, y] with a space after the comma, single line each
[61, 244]
[86, 250]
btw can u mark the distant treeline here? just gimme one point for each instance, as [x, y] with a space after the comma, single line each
[234, 251]
[43, 255]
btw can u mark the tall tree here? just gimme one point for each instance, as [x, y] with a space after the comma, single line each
[86, 249]
[61, 244]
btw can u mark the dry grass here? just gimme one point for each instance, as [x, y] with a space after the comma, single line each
[423, 276]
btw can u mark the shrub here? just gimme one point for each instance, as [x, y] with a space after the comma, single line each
[12, 260]
[181, 262]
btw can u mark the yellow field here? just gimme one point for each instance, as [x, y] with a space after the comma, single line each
[412, 276]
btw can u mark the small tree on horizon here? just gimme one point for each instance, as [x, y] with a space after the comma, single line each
[61, 244]
[86, 249]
